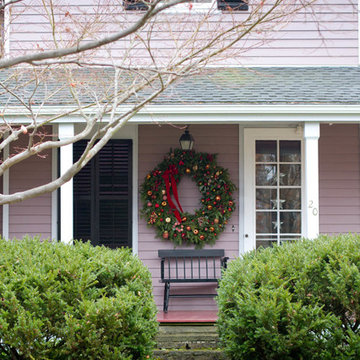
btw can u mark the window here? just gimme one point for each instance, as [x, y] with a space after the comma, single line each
[135, 5]
[102, 195]
[224, 5]
[278, 191]
[233, 5]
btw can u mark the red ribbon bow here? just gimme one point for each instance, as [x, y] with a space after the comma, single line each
[169, 176]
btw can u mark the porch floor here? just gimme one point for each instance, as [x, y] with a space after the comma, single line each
[203, 316]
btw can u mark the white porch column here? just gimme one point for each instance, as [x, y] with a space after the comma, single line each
[66, 131]
[6, 208]
[311, 186]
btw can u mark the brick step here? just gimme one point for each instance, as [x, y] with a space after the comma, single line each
[189, 355]
[187, 337]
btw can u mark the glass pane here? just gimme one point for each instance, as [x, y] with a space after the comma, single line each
[290, 151]
[266, 198]
[290, 199]
[266, 175]
[266, 241]
[290, 222]
[265, 151]
[290, 175]
[288, 238]
[266, 222]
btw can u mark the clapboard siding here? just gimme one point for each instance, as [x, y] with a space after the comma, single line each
[154, 143]
[31, 216]
[339, 173]
[324, 35]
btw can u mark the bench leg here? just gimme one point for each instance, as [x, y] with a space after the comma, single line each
[166, 296]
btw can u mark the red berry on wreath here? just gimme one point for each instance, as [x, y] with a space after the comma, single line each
[216, 221]
[149, 192]
[165, 235]
[231, 203]
[209, 207]
[202, 237]
[188, 228]
[157, 205]
[217, 197]
[149, 204]
[184, 219]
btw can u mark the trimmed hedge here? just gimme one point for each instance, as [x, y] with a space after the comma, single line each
[296, 301]
[60, 301]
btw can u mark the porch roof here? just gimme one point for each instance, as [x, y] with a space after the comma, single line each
[273, 85]
[251, 86]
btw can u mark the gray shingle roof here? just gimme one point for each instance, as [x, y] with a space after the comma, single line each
[272, 85]
[280, 85]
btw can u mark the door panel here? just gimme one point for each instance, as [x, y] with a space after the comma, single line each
[273, 187]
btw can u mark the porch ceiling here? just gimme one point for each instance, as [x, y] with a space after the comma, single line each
[235, 86]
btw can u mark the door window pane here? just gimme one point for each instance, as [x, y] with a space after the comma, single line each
[290, 222]
[266, 199]
[290, 199]
[266, 175]
[290, 151]
[266, 151]
[266, 222]
[290, 175]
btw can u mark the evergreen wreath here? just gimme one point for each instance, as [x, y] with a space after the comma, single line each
[169, 220]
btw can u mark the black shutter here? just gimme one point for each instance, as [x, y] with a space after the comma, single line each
[233, 5]
[135, 5]
[102, 196]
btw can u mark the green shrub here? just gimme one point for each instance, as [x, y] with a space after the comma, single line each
[60, 301]
[297, 301]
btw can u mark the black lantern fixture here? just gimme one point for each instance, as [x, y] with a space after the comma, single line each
[186, 140]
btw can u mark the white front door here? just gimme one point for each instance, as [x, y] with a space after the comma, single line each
[273, 186]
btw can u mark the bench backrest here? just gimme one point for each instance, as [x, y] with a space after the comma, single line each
[192, 265]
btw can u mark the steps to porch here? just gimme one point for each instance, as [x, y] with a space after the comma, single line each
[187, 336]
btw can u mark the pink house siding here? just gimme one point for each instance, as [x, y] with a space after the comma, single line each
[326, 34]
[339, 173]
[154, 143]
[31, 216]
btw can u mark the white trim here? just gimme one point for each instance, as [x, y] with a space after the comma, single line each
[207, 113]
[66, 191]
[311, 188]
[135, 192]
[241, 192]
[54, 194]
[6, 207]
[250, 135]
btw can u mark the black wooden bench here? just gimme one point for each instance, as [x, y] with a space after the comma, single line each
[190, 266]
